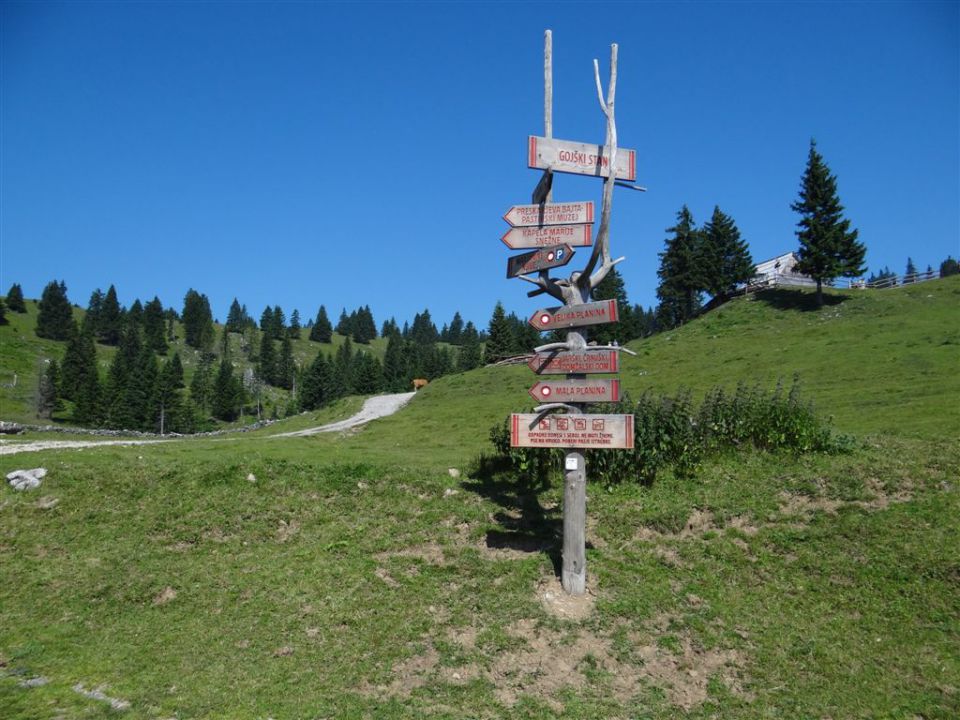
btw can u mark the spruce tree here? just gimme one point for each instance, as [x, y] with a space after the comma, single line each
[15, 299]
[910, 274]
[54, 316]
[455, 333]
[235, 318]
[321, 331]
[611, 287]
[285, 365]
[135, 313]
[343, 324]
[197, 321]
[368, 375]
[828, 248]
[342, 371]
[315, 382]
[119, 413]
[500, 341]
[267, 363]
[680, 272]
[424, 332]
[470, 353]
[110, 319]
[47, 392]
[154, 332]
[227, 395]
[201, 385]
[79, 364]
[294, 330]
[278, 326]
[88, 405]
[949, 267]
[396, 378]
[168, 408]
[726, 259]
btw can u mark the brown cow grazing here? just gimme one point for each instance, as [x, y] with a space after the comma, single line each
[419, 383]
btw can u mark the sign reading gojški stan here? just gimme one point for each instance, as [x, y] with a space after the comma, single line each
[571, 431]
[579, 158]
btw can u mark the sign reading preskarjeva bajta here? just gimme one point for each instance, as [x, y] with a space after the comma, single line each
[536, 237]
[542, 259]
[572, 213]
[579, 363]
[594, 313]
[571, 431]
[579, 158]
[576, 391]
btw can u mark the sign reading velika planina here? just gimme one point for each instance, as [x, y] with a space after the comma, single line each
[536, 237]
[571, 431]
[542, 259]
[595, 313]
[578, 363]
[576, 391]
[572, 213]
[579, 158]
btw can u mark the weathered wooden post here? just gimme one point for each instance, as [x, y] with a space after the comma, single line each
[543, 225]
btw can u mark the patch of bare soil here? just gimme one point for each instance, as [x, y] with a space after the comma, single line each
[164, 596]
[559, 603]
[287, 530]
[548, 662]
[804, 505]
[430, 553]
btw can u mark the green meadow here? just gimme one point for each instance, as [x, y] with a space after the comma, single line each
[399, 570]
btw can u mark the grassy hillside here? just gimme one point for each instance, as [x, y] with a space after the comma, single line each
[354, 577]
[23, 357]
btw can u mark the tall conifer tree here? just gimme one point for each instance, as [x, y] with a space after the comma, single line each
[726, 259]
[828, 247]
[321, 331]
[15, 299]
[680, 273]
[54, 316]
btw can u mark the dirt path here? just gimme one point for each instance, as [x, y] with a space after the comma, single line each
[375, 407]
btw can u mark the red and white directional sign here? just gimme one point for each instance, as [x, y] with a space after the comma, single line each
[576, 391]
[581, 363]
[595, 313]
[537, 237]
[579, 158]
[543, 259]
[571, 431]
[573, 213]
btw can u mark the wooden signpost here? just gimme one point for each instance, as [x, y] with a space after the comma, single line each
[574, 391]
[575, 213]
[555, 228]
[579, 158]
[595, 313]
[543, 259]
[536, 237]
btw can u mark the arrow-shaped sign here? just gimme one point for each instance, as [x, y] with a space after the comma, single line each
[579, 158]
[543, 259]
[537, 237]
[574, 213]
[576, 391]
[595, 313]
[581, 363]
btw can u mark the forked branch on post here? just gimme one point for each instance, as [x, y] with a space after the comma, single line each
[588, 279]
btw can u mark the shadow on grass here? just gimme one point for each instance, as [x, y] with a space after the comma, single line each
[803, 300]
[526, 526]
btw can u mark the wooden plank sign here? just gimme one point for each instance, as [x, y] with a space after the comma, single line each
[571, 431]
[581, 363]
[576, 391]
[537, 237]
[595, 313]
[543, 259]
[579, 158]
[573, 213]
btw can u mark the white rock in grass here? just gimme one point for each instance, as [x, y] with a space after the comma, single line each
[26, 479]
[251, 478]
[454, 472]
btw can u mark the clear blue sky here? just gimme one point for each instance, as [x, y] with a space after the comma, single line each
[363, 153]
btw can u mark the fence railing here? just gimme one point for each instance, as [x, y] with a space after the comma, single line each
[788, 280]
[892, 280]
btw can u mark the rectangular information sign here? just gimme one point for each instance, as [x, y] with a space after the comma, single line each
[580, 363]
[571, 431]
[579, 158]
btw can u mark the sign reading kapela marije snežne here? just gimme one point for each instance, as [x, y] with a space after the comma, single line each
[519, 238]
[571, 431]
